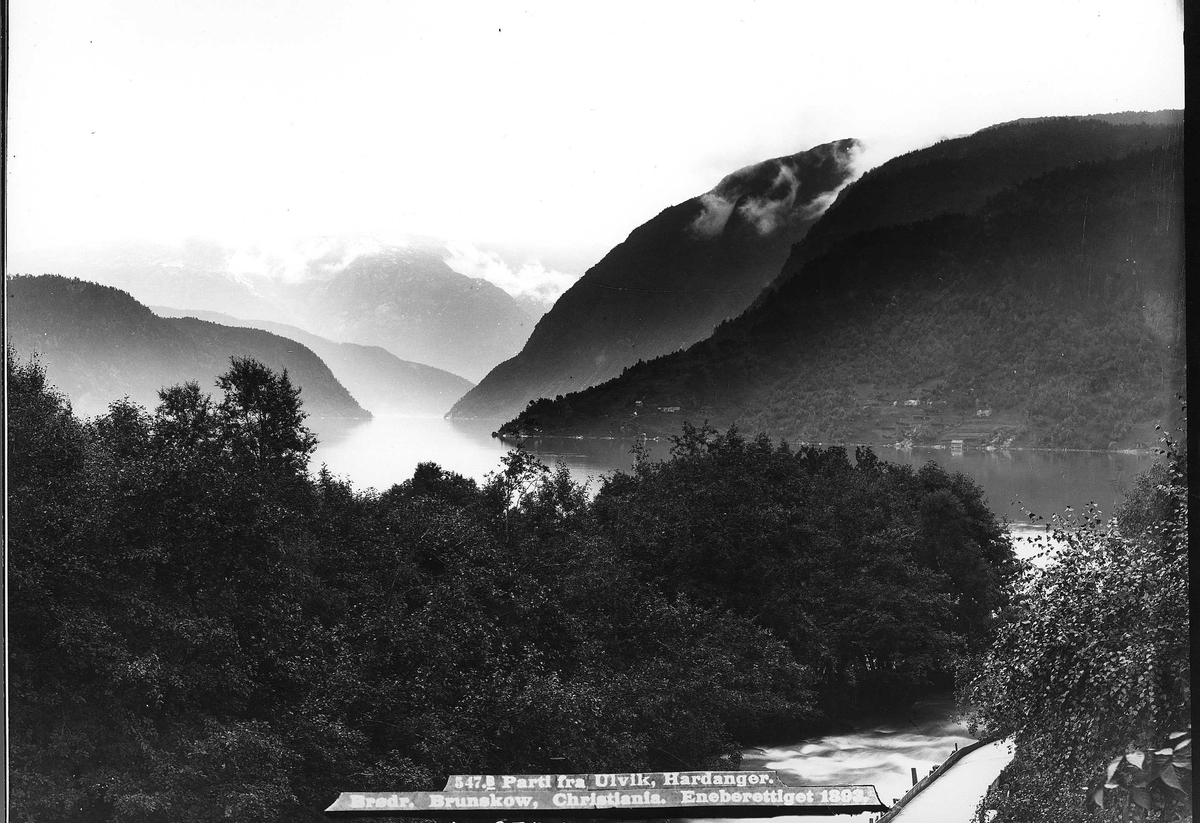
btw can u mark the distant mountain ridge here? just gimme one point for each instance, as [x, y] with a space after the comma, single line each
[405, 299]
[411, 303]
[671, 281]
[1034, 300]
[382, 382]
[98, 344]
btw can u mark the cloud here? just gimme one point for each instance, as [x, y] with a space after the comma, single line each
[766, 213]
[817, 206]
[715, 214]
[535, 285]
[531, 280]
[293, 260]
[769, 194]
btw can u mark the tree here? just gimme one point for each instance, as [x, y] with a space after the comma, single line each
[158, 626]
[201, 631]
[262, 418]
[1092, 662]
[858, 568]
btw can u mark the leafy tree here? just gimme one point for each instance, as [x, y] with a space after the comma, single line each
[1092, 666]
[261, 417]
[158, 631]
[200, 630]
[874, 575]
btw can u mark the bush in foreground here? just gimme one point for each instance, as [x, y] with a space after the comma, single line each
[1090, 672]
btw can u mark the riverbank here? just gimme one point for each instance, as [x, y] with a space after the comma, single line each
[881, 751]
[952, 792]
[386, 450]
[525, 439]
[912, 422]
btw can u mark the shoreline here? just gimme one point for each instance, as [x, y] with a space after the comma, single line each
[509, 438]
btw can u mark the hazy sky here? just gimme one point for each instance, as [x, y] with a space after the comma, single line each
[545, 131]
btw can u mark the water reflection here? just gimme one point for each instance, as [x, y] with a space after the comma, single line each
[1044, 482]
[386, 450]
[1034, 543]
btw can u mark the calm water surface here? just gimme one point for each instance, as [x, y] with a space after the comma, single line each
[383, 451]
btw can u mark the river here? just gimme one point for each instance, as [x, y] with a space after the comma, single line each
[881, 751]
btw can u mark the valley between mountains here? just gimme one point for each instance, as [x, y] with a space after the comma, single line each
[1021, 286]
[204, 625]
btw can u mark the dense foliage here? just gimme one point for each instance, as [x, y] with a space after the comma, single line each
[1091, 672]
[199, 629]
[872, 573]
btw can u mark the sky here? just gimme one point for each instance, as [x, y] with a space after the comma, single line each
[532, 137]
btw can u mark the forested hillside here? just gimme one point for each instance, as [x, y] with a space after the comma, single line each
[99, 345]
[199, 629]
[1050, 314]
[958, 176]
[671, 281]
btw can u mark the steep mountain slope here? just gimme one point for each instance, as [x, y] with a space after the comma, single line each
[382, 382]
[405, 299]
[671, 282]
[957, 176]
[1049, 313]
[98, 344]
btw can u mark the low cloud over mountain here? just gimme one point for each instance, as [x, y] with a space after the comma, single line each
[775, 193]
[532, 284]
[1021, 285]
[672, 281]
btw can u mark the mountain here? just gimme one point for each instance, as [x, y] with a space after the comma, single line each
[405, 299]
[378, 379]
[98, 344]
[194, 273]
[957, 176]
[411, 303]
[671, 281]
[1022, 285]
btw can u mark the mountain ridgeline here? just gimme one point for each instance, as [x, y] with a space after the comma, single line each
[958, 176]
[671, 282]
[405, 299]
[382, 382]
[1018, 286]
[100, 344]
[414, 305]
